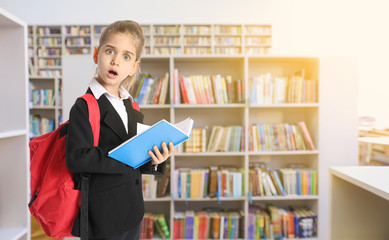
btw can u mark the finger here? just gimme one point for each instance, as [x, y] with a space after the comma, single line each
[171, 148]
[158, 154]
[165, 150]
[153, 157]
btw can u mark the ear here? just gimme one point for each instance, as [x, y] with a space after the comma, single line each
[95, 54]
[135, 67]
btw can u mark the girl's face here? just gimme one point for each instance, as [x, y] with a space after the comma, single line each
[116, 60]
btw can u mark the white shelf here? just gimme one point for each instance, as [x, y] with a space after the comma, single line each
[8, 20]
[285, 105]
[284, 198]
[13, 133]
[163, 199]
[210, 199]
[209, 154]
[359, 197]
[155, 106]
[230, 105]
[12, 233]
[370, 178]
[14, 161]
[298, 152]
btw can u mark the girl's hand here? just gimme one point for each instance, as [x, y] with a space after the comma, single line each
[159, 158]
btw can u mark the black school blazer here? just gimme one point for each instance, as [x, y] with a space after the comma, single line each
[115, 189]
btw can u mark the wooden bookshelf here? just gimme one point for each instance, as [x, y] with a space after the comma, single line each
[14, 163]
[318, 117]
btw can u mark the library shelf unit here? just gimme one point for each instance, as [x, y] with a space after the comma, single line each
[245, 67]
[241, 67]
[319, 118]
[48, 43]
[49, 109]
[14, 163]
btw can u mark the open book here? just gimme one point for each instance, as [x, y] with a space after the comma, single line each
[134, 151]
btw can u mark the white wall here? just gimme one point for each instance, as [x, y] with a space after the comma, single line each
[300, 27]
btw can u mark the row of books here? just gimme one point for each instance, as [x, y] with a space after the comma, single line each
[151, 91]
[280, 137]
[282, 182]
[197, 41]
[228, 41]
[48, 30]
[173, 29]
[40, 125]
[197, 50]
[78, 41]
[199, 30]
[196, 142]
[167, 40]
[266, 89]
[154, 223]
[77, 30]
[228, 50]
[271, 222]
[208, 182]
[49, 62]
[78, 51]
[52, 42]
[42, 97]
[208, 224]
[156, 186]
[226, 139]
[201, 89]
[44, 52]
[49, 73]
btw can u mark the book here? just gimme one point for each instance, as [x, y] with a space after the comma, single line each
[134, 151]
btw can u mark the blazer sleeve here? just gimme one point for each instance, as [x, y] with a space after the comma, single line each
[81, 155]
[148, 168]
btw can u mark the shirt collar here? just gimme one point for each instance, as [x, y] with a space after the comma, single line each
[98, 90]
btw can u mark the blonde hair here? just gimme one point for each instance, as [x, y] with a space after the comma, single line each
[135, 30]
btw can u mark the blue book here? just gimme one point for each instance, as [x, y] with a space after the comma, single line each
[134, 152]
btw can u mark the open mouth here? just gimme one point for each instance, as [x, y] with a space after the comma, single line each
[113, 72]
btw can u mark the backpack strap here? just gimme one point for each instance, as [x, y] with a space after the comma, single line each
[94, 119]
[94, 116]
[134, 104]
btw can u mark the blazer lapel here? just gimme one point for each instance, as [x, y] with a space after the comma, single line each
[134, 117]
[111, 118]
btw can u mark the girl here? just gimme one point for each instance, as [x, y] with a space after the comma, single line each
[115, 202]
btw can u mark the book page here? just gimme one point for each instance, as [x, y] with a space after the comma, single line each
[141, 127]
[185, 126]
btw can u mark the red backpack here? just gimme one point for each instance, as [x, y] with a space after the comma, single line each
[55, 203]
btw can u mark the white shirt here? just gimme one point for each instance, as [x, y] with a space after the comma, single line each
[118, 104]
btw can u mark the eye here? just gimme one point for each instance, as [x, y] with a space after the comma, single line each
[109, 51]
[126, 57]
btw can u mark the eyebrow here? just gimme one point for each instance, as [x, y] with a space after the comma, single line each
[110, 46]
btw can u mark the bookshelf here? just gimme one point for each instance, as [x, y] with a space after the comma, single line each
[318, 117]
[48, 43]
[242, 51]
[14, 163]
[45, 103]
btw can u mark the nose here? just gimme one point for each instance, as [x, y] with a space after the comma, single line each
[115, 61]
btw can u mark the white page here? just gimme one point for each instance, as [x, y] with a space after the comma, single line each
[185, 126]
